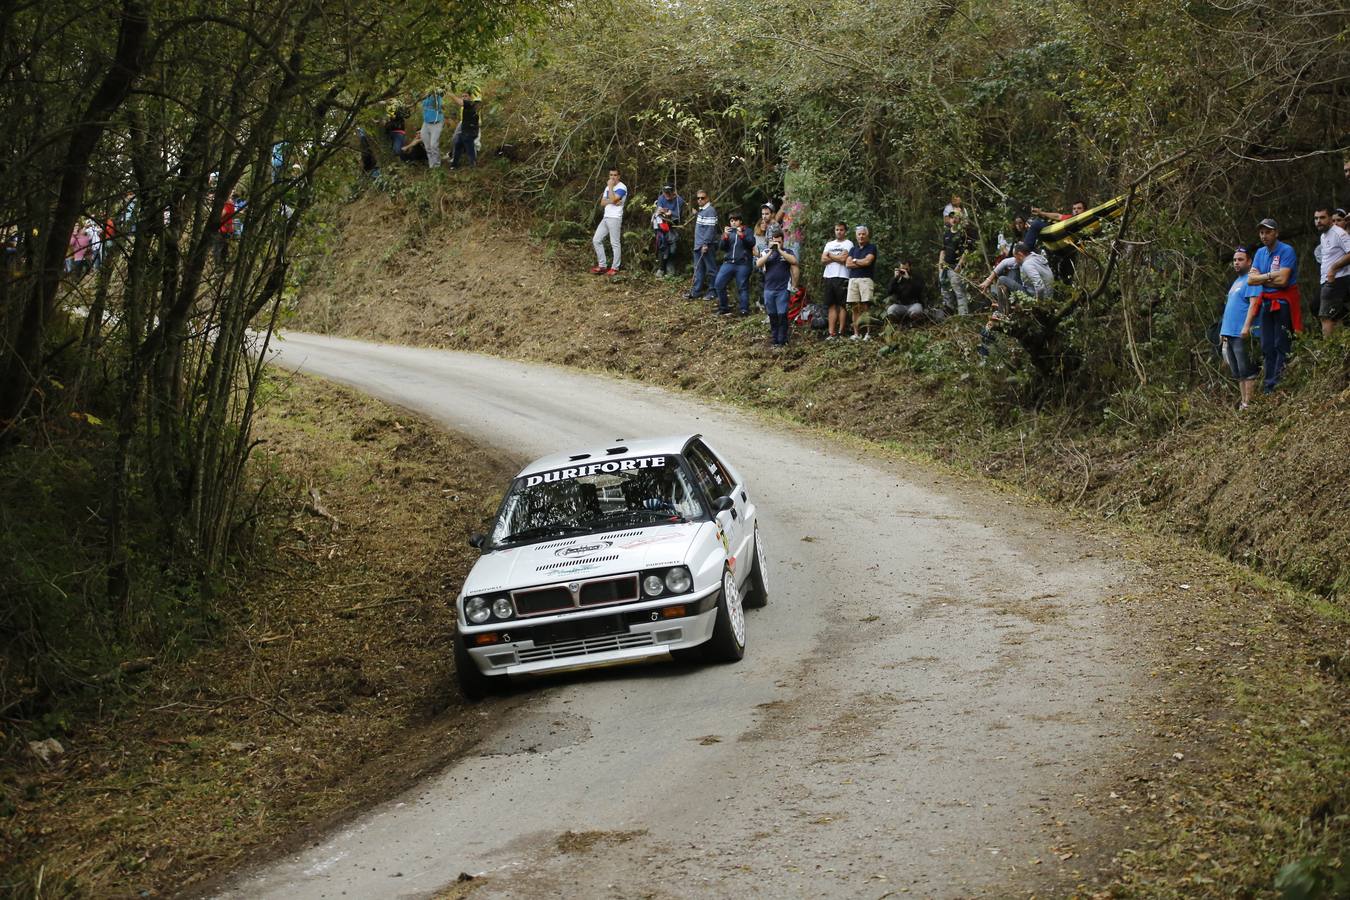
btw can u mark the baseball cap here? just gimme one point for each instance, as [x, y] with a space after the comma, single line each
[767, 204]
[667, 187]
[1268, 223]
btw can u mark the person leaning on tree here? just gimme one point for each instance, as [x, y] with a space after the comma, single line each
[1275, 270]
[1238, 311]
[1334, 288]
[612, 200]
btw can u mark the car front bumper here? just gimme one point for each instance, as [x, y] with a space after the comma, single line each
[526, 654]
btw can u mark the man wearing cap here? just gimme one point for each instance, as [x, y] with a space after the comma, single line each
[1334, 291]
[705, 247]
[861, 262]
[1275, 271]
[776, 262]
[738, 250]
[667, 216]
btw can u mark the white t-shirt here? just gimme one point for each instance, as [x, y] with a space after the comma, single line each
[613, 211]
[834, 269]
[1334, 243]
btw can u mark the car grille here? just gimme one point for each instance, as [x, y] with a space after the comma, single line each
[566, 649]
[557, 598]
[610, 590]
[542, 600]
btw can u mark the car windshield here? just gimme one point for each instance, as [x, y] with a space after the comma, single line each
[591, 497]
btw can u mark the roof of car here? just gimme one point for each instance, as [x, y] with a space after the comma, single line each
[620, 448]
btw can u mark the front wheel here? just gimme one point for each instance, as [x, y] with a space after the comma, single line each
[728, 638]
[473, 684]
[759, 577]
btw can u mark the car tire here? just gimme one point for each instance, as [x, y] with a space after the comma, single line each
[759, 579]
[728, 638]
[473, 684]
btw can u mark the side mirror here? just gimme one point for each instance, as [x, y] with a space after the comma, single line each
[477, 540]
[722, 504]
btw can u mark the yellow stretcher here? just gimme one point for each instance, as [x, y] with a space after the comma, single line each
[1064, 234]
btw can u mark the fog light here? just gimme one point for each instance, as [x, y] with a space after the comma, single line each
[678, 580]
[501, 608]
[652, 585]
[483, 639]
[673, 612]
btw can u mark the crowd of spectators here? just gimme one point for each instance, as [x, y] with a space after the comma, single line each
[1025, 267]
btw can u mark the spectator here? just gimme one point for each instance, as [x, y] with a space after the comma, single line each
[466, 134]
[433, 120]
[95, 234]
[667, 216]
[78, 256]
[222, 237]
[612, 200]
[240, 204]
[278, 159]
[1338, 217]
[705, 248]
[1025, 272]
[835, 259]
[414, 151]
[1238, 312]
[776, 261]
[766, 220]
[369, 164]
[793, 219]
[1078, 207]
[1334, 291]
[1015, 236]
[953, 206]
[906, 299]
[956, 244]
[396, 129]
[738, 248]
[861, 262]
[1276, 268]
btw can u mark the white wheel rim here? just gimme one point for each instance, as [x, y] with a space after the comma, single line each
[761, 562]
[734, 610]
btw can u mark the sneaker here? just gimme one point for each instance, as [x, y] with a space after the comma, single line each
[830, 337]
[853, 337]
[611, 272]
[868, 336]
[597, 270]
[1242, 406]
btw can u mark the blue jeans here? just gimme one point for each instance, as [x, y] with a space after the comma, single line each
[1276, 330]
[776, 301]
[741, 272]
[397, 138]
[464, 149]
[705, 271]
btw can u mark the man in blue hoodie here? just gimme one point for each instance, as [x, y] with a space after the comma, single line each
[705, 248]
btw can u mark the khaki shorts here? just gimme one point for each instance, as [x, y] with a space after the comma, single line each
[860, 290]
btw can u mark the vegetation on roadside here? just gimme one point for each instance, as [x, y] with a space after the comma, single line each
[323, 681]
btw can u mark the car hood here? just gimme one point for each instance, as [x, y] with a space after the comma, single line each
[589, 556]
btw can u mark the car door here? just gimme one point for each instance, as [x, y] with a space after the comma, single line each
[736, 523]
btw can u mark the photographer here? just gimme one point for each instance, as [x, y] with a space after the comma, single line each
[776, 261]
[738, 249]
[906, 298]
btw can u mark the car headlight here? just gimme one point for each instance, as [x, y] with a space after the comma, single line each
[502, 609]
[652, 585]
[477, 610]
[678, 580]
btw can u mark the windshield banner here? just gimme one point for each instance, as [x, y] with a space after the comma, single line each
[613, 465]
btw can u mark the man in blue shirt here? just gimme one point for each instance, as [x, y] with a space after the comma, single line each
[1275, 270]
[776, 261]
[705, 247]
[1242, 306]
[666, 218]
[738, 249]
[861, 262]
[433, 119]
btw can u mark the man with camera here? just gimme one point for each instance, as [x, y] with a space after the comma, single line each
[776, 261]
[738, 249]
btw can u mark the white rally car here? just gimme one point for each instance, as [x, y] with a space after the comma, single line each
[638, 550]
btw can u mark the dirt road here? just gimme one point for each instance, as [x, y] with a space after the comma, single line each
[937, 681]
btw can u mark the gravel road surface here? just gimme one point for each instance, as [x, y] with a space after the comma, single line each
[937, 682]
